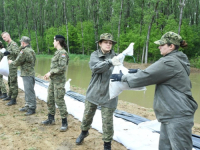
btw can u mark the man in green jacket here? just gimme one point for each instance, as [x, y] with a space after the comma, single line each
[174, 105]
[26, 59]
[12, 52]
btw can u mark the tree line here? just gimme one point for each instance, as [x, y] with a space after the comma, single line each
[82, 22]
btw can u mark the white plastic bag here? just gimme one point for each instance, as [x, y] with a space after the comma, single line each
[67, 85]
[115, 88]
[4, 67]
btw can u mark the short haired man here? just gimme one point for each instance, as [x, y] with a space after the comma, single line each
[12, 52]
[26, 59]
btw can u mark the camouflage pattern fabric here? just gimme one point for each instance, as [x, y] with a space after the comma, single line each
[106, 36]
[107, 120]
[56, 92]
[12, 77]
[26, 59]
[59, 66]
[169, 37]
[2, 84]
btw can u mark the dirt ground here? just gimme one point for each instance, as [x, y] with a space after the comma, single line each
[20, 132]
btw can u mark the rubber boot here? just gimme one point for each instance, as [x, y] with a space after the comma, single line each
[30, 112]
[107, 145]
[7, 98]
[49, 121]
[81, 137]
[64, 125]
[4, 95]
[11, 102]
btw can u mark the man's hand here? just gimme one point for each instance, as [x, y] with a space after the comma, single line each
[46, 76]
[115, 61]
[6, 53]
[10, 61]
[132, 70]
[116, 77]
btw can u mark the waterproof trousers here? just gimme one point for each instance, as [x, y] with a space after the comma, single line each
[107, 120]
[176, 134]
[30, 98]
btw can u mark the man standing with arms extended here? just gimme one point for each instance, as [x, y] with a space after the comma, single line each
[12, 51]
[26, 59]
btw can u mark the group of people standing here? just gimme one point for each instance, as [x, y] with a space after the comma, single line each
[174, 105]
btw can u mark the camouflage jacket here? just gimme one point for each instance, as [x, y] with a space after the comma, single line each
[26, 59]
[13, 49]
[59, 64]
[98, 90]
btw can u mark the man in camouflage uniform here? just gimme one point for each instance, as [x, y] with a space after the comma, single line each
[26, 59]
[56, 90]
[102, 62]
[3, 91]
[12, 52]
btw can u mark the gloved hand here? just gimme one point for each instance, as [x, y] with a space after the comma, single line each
[132, 70]
[115, 61]
[6, 53]
[116, 77]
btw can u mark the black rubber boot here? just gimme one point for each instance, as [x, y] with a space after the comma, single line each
[4, 95]
[7, 98]
[11, 102]
[30, 112]
[24, 109]
[81, 137]
[49, 121]
[107, 145]
[64, 125]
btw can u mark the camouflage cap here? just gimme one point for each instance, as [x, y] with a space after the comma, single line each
[169, 37]
[106, 36]
[25, 39]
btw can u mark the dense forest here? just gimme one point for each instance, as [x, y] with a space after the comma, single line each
[82, 22]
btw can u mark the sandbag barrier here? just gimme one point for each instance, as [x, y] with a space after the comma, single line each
[118, 113]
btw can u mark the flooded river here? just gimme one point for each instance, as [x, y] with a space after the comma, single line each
[80, 74]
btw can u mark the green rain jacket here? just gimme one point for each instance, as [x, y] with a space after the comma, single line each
[26, 59]
[98, 90]
[59, 64]
[173, 97]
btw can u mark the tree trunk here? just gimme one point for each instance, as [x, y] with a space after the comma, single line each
[82, 38]
[66, 27]
[120, 16]
[149, 31]
[182, 4]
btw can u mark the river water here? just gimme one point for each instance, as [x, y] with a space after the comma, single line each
[80, 74]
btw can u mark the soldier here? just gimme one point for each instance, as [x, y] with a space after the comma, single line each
[174, 105]
[12, 52]
[102, 62]
[3, 91]
[26, 59]
[56, 90]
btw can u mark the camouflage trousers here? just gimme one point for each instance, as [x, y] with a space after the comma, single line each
[12, 82]
[30, 99]
[107, 120]
[176, 134]
[56, 92]
[2, 85]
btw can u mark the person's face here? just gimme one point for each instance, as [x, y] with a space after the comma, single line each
[55, 43]
[6, 37]
[165, 49]
[106, 45]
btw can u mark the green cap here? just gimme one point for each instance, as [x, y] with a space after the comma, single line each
[106, 36]
[25, 39]
[169, 37]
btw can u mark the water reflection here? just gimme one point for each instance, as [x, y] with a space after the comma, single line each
[80, 74]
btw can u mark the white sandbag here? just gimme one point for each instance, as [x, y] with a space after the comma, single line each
[115, 88]
[4, 67]
[67, 85]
